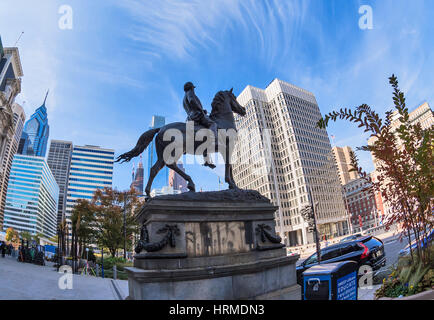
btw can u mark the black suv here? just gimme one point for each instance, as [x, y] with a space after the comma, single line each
[366, 250]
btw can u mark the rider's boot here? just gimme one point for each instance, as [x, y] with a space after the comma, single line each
[207, 159]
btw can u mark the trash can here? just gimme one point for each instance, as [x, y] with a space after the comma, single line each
[331, 281]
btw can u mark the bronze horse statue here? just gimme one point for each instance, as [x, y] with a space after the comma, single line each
[223, 105]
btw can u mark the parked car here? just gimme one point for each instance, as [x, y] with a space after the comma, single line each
[352, 237]
[365, 250]
[406, 251]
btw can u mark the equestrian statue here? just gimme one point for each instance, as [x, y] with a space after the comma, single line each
[221, 118]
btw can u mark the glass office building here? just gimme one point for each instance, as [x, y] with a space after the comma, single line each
[32, 195]
[35, 135]
[59, 161]
[91, 169]
[283, 154]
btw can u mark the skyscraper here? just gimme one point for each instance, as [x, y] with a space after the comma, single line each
[176, 181]
[31, 200]
[36, 131]
[11, 148]
[91, 169]
[282, 154]
[162, 178]
[138, 178]
[59, 161]
[342, 157]
[10, 86]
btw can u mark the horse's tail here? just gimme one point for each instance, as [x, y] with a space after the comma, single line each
[143, 142]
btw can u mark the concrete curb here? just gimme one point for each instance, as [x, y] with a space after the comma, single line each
[118, 292]
[426, 295]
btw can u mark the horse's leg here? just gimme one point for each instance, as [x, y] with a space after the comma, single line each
[228, 168]
[186, 177]
[154, 171]
[232, 176]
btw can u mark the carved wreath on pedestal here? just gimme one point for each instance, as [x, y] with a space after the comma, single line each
[264, 231]
[170, 230]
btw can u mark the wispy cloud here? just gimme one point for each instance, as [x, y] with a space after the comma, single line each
[175, 29]
[38, 57]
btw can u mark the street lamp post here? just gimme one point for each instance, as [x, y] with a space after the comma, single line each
[102, 261]
[309, 212]
[318, 245]
[125, 225]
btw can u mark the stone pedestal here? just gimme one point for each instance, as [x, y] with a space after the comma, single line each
[211, 245]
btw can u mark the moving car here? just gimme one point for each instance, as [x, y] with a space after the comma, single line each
[365, 250]
[352, 237]
[406, 251]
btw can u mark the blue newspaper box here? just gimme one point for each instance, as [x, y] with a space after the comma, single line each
[331, 281]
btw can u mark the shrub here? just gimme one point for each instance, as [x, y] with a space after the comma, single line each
[408, 278]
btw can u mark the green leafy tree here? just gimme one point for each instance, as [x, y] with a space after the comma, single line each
[12, 235]
[37, 237]
[54, 238]
[82, 223]
[26, 236]
[404, 162]
[109, 208]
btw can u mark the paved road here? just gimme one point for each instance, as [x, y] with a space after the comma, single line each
[392, 246]
[24, 281]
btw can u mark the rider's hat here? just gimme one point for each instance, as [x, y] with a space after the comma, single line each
[188, 86]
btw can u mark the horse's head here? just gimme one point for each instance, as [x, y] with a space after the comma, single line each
[225, 101]
[235, 106]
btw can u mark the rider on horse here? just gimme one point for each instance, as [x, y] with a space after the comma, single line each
[196, 113]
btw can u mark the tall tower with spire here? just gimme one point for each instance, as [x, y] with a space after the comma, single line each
[34, 139]
[138, 177]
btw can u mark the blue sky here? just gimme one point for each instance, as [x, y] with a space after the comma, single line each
[126, 60]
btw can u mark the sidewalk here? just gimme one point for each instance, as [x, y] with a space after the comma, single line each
[367, 294]
[24, 281]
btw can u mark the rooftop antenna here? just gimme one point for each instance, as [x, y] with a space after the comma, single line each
[19, 38]
[46, 96]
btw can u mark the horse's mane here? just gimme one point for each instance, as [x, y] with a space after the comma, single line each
[218, 99]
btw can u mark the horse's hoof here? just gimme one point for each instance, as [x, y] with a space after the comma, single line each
[210, 165]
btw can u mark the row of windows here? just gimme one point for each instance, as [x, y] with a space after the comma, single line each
[94, 151]
[90, 165]
[88, 175]
[89, 170]
[15, 169]
[83, 191]
[89, 160]
[90, 181]
[31, 163]
[79, 196]
[84, 186]
[92, 156]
